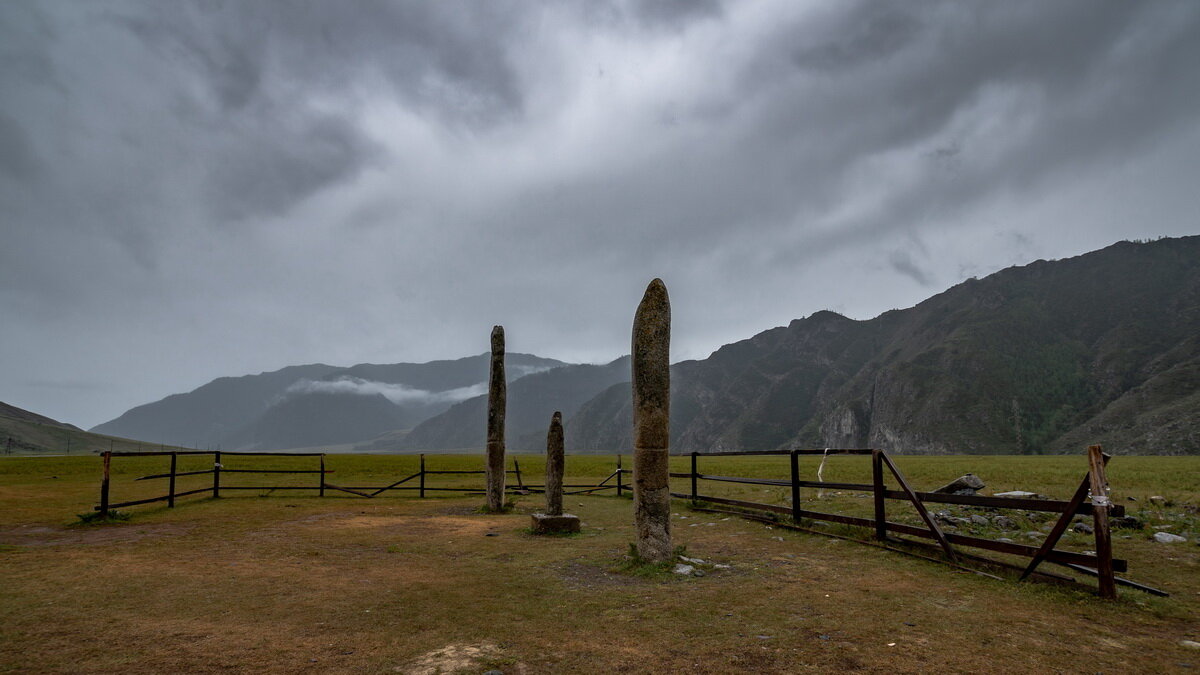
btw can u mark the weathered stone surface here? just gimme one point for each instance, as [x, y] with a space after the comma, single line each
[1127, 523]
[650, 360]
[1004, 523]
[1083, 528]
[554, 466]
[562, 523]
[497, 395]
[1168, 538]
[967, 484]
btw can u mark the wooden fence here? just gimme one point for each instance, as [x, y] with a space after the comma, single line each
[1100, 564]
[415, 482]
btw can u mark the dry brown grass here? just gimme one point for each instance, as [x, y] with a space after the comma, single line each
[342, 584]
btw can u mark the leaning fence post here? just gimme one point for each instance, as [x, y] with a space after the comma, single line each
[877, 490]
[171, 483]
[321, 480]
[794, 460]
[694, 477]
[517, 466]
[422, 489]
[216, 474]
[1100, 506]
[619, 471]
[104, 485]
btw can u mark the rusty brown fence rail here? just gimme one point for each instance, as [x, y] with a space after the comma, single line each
[1100, 564]
[105, 507]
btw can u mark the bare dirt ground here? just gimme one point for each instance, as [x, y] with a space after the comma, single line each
[301, 585]
[290, 584]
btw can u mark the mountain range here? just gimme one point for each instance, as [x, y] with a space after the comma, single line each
[313, 405]
[1046, 357]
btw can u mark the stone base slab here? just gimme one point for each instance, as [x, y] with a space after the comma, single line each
[545, 524]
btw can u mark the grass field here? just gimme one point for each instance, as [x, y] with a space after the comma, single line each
[289, 582]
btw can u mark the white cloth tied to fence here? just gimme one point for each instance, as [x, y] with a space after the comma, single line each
[821, 470]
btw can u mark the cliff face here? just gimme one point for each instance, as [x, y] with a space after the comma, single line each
[1048, 357]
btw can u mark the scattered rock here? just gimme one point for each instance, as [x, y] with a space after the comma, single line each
[1127, 523]
[1005, 540]
[1158, 500]
[1022, 494]
[1191, 644]
[1083, 528]
[967, 484]
[979, 520]
[1032, 535]
[1168, 538]
[1004, 523]
[685, 570]
[694, 561]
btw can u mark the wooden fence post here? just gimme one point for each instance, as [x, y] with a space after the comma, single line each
[321, 480]
[794, 459]
[1100, 505]
[422, 476]
[619, 476]
[104, 485]
[695, 475]
[216, 474]
[878, 490]
[517, 466]
[171, 483]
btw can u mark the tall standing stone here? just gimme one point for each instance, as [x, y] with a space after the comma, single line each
[554, 466]
[651, 423]
[554, 521]
[497, 398]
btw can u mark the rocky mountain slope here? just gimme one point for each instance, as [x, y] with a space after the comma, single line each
[1048, 357]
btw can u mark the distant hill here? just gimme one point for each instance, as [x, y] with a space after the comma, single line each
[531, 401]
[15, 413]
[27, 433]
[1047, 357]
[311, 405]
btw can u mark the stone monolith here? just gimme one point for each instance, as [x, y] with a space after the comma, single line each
[651, 423]
[495, 423]
[554, 466]
[554, 521]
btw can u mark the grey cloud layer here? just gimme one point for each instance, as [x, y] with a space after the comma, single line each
[197, 189]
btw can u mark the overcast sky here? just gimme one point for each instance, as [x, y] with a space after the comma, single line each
[196, 189]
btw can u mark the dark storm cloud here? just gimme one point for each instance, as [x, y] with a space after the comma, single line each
[216, 188]
[448, 58]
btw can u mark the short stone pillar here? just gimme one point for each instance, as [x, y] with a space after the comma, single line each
[651, 364]
[497, 395]
[554, 521]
